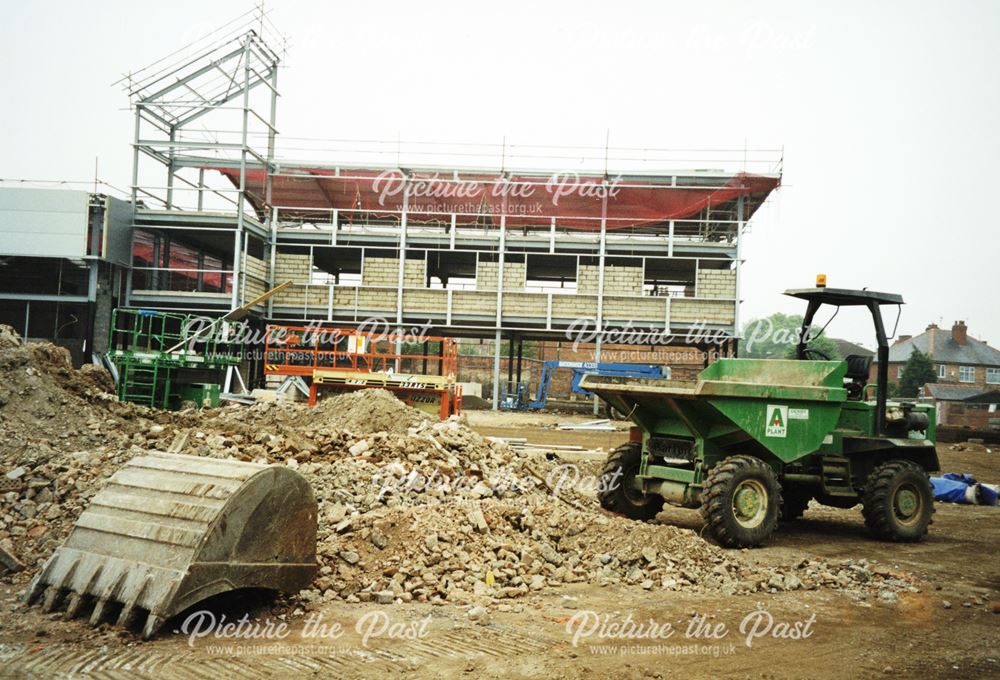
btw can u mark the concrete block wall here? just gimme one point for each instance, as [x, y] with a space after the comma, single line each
[376, 300]
[345, 297]
[256, 276]
[415, 274]
[586, 279]
[691, 310]
[425, 301]
[574, 306]
[515, 275]
[473, 302]
[318, 297]
[486, 275]
[635, 309]
[624, 299]
[300, 295]
[524, 304]
[368, 299]
[717, 284]
[295, 268]
[384, 271]
[618, 280]
[380, 271]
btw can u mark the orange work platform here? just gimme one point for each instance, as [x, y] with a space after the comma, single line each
[418, 369]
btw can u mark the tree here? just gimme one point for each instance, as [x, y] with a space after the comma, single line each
[918, 371]
[776, 337]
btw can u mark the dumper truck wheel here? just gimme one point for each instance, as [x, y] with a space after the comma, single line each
[616, 492]
[740, 501]
[898, 502]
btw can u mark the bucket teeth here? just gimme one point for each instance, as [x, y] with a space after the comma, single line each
[130, 608]
[73, 605]
[34, 590]
[153, 624]
[127, 615]
[52, 597]
[99, 609]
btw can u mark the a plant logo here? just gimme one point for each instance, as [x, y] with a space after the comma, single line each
[777, 421]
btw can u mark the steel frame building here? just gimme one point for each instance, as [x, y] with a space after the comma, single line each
[218, 217]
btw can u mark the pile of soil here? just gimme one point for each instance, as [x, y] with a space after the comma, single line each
[45, 402]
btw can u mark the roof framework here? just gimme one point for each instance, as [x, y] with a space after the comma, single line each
[220, 76]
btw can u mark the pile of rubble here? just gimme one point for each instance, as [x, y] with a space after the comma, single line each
[971, 445]
[410, 509]
[499, 549]
[63, 432]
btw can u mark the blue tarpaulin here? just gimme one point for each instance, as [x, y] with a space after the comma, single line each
[953, 487]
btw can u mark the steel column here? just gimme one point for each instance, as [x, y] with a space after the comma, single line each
[739, 263]
[600, 282]
[496, 370]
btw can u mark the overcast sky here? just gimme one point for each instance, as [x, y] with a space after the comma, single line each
[887, 111]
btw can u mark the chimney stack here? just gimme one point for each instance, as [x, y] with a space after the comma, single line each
[932, 329]
[959, 333]
[902, 338]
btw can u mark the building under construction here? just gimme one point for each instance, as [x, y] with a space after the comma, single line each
[507, 249]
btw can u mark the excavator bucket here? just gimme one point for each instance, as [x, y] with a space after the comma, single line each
[170, 530]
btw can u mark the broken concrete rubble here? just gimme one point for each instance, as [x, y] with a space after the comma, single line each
[9, 562]
[410, 509]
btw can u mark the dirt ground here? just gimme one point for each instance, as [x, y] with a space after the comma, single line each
[946, 625]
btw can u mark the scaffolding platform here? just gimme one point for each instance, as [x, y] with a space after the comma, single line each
[419, 370]
[164, 359]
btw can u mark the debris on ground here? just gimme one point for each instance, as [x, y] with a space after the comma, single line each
[601, 425]
[973, 445]
[9, 562]
[410, 509]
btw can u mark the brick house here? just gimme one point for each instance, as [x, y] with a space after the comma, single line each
[958, 358]
[966, 407]
[968, 373]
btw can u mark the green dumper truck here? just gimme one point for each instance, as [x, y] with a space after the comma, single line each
[752, 441]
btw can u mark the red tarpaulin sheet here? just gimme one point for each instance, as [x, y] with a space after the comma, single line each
[527, 200]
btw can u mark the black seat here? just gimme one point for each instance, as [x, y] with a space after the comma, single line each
[856, 378]
[858, 367]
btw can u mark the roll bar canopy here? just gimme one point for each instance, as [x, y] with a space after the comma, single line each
[843, 297]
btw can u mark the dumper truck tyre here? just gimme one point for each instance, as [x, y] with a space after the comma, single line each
[898, 502]
[616, 492]
[741, 501]
[793, 504]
